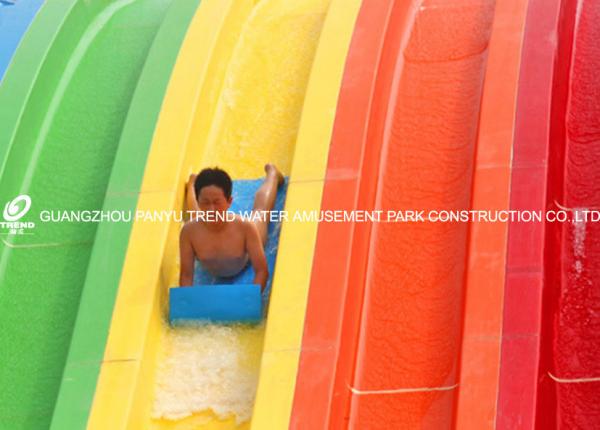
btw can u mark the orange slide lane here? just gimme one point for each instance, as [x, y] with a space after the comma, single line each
[406, 370]
[383, 333]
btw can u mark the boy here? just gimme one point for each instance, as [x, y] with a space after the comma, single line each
[224, 246]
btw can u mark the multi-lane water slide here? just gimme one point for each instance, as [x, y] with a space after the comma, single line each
[386, 105]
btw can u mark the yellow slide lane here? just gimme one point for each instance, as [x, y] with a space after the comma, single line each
[236, 98]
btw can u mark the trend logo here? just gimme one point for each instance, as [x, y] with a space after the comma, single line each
[16, 208]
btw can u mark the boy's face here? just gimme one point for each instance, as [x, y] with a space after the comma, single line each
[212, 198]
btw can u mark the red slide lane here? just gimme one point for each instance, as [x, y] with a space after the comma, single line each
[571, 368]
[577, 337]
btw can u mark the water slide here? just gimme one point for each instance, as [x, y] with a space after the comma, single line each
[370, 105]
[389, 355]
[436, 326]
[65, 99]
[565, 260]
[228, 103]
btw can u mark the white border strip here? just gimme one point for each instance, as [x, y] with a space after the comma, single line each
[401, 390]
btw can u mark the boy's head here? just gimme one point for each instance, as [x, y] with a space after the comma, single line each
[213, 189]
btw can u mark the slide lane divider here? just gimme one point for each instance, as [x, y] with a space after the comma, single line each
[487, 246]
[60, 131]
[194, 142]
[522, 315]
[125, 388]
[104, 270]
[283, 338]
[336, 286]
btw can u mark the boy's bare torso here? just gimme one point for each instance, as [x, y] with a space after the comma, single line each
[224, 247]
[222, 251]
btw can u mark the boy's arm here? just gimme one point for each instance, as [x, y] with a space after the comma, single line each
[186, 257]
[257, 255]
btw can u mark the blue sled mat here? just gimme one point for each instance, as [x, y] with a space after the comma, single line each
[235, 299]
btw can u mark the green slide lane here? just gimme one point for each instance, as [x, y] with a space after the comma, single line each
[110, 246]
[63, 104]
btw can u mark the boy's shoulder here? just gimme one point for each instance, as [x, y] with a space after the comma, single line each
[245, 224]
[242, 222]
[192, 227]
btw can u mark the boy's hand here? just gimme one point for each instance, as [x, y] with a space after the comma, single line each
[186, 258]
[191, 198]
[191, 179]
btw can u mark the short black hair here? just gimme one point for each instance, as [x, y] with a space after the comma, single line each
[213, 176]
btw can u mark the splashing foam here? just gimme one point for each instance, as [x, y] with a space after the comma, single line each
[256, 120]
[208, 367]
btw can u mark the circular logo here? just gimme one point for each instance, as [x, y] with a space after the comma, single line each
[13, 210]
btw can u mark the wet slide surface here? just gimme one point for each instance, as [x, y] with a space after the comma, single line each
[256, 120]
[59, 139]
[225, 106]
[203, 359]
